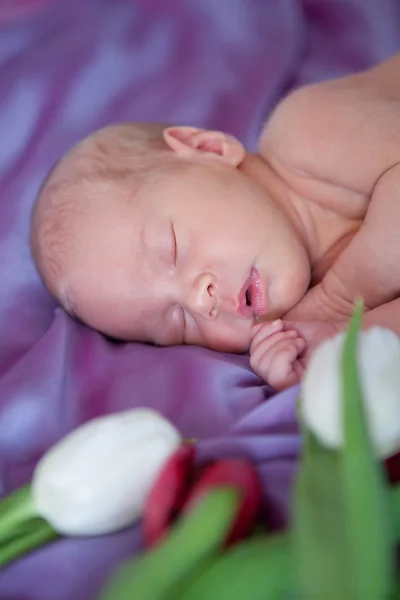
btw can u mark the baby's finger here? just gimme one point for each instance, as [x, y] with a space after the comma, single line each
[282, 368]
[261, 361]
[289, 347]
[270, 326]
[267, 339]
[263, 342]
[299, 369]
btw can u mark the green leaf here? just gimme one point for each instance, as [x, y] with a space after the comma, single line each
[158, 574]
[256, 569]
[368, 516]
[396, 591]
[343, 547]
[320, 553]
[395, 502]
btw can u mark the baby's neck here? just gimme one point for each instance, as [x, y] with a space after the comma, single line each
[323, 233]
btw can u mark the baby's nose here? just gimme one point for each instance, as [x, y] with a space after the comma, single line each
[203, 299]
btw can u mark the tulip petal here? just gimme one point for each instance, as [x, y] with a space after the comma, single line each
[96, 479]
[233, 473]
[167, 494]
[378, 359]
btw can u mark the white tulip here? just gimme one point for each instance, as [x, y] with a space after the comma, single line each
[96, 479]
[379, 374]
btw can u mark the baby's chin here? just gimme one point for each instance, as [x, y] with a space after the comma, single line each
[231, 345]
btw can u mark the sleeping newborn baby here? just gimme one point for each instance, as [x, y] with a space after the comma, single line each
[177, 235]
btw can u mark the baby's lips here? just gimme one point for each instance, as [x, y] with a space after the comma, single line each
[240, 475]
[167, 494]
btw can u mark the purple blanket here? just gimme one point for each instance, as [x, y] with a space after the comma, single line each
[66, 69]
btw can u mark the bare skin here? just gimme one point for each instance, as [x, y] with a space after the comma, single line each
[213, 254]
[169, 262]
[341, 151]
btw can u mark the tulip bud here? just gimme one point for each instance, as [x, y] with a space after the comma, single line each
[96, 480]
[167, 494]
[379, 375]
[233, 473]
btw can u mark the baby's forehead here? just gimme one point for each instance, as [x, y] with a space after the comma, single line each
[102, 177]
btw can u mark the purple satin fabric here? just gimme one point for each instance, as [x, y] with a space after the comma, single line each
[66, 69]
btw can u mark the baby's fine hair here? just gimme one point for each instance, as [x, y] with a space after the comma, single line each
[115, 154]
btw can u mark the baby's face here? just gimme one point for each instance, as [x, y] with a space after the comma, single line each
[197, 261]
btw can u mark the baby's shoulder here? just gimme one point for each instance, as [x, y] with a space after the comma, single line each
[333, 140]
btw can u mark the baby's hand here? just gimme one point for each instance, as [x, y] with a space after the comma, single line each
[275, 354]
[280, 351]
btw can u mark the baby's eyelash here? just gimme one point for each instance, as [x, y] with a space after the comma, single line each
[175, 247]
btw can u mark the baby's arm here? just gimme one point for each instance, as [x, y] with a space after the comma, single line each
[387, 315]
[337, 144]
[368, 267]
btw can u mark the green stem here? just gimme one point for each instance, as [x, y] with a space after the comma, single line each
[21, 529]
[15, 511]
[40, 534]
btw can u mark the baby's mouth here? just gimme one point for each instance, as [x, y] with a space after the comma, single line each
[252, 301]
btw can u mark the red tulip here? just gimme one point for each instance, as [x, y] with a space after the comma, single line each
[393, 468]
[241, 475]
[167, 493]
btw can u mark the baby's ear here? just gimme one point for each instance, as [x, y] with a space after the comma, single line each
[193, 142]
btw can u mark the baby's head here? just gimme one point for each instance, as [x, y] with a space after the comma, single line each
[166, 235]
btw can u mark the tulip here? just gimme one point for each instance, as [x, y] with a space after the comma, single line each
[181, 484]
[237, 474]
[392, 465]
[379, 375]
[96, 480]
[167, 494]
